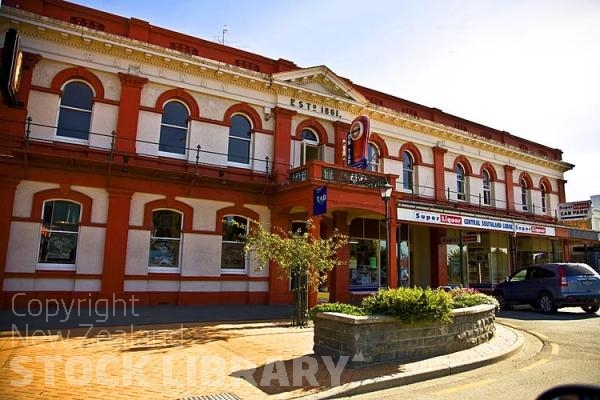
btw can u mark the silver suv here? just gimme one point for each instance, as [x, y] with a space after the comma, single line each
[551, 286]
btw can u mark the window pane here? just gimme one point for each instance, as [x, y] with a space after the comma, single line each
[309, 135]
[240, 127]
[58, 247]
[234, 228]
[78, 95]
[172, 140]
[233, 257]
[167, 224]
[164, 253]
[239, 151]
[74, 123]
[175, 113]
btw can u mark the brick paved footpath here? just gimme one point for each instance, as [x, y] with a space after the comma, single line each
[250, 360]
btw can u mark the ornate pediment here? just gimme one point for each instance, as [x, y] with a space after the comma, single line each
[321, 80]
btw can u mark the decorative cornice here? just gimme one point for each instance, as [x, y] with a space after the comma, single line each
[125, 50]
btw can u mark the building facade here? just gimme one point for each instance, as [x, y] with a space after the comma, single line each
[129, 150]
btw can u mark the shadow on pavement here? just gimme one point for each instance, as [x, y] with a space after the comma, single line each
[310, 373]
[70, 316]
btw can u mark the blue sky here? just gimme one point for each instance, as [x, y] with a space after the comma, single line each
[528, 67]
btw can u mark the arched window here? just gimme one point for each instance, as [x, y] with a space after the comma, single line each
[165, 239]
[233, 258]
[75, 112]
[59, 232]
[487, 188]
[240, 140]
[524, 195]
[408, 165]
[461, 190]
[544, 194]
[373, 158]
[174, 128]
[310, 146]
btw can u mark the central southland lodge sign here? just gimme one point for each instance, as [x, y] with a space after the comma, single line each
[465, 221]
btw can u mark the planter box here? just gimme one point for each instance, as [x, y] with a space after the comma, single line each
[381, 338]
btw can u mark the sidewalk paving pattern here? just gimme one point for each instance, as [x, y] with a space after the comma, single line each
[253, 359]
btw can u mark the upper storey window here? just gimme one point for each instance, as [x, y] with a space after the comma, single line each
[240, 140]
[75, 113]
[310, 146]
[544, 199]
[461, 187]
[524, 195]
[408, 169]
[174, 128]
[487, 188]
[373, 158]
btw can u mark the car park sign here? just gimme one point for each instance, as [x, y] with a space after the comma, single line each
[576, 211]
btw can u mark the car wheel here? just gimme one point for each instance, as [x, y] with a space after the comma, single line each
[502, 301]
[546, 303]
[591, 308]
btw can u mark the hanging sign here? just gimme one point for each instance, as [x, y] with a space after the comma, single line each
[320, 200]
[357, 142]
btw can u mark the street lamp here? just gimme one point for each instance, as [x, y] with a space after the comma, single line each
[386, 193]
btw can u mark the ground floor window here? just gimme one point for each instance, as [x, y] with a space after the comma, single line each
[165, 240]
[476, 259]
[531, 250]
[233, 258]
[367, 264]
[59, 233]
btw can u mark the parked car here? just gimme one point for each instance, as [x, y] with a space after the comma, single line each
[551, 286]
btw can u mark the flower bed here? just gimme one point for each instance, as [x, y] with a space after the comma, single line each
[379, 338]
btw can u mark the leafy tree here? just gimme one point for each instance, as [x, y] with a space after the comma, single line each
[301, 257]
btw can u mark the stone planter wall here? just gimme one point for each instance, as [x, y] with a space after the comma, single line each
[383, 338]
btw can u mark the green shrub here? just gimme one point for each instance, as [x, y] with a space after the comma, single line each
[462, 297]
[335, 307]
[410, 304]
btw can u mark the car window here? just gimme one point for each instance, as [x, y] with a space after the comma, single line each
[519, 276]
[578, 269]
[546, 273]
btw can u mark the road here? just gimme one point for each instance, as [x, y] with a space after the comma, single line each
[560, 348]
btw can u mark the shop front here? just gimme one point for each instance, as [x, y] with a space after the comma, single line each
[476, 251]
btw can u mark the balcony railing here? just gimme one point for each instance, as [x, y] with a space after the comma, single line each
[337, 174]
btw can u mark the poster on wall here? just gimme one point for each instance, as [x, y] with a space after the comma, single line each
[357, 142]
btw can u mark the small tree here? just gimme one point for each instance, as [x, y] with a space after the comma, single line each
[300, 256]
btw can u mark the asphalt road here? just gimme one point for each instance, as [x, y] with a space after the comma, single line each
[561, 348]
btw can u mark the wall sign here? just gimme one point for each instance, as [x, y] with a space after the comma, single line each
[463, 221]
[579, 210]
[304, 105]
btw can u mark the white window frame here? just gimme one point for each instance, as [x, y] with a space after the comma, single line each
[68, 139]
[461, 182]
[154, 268]
[232, 271]
[187, 133]
[410, 185]
[251, 140]
[487, 188]
[59, 266]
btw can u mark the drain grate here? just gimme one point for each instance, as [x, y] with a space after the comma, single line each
[219, 396]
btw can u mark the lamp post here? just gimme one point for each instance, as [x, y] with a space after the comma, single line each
[386, 193]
